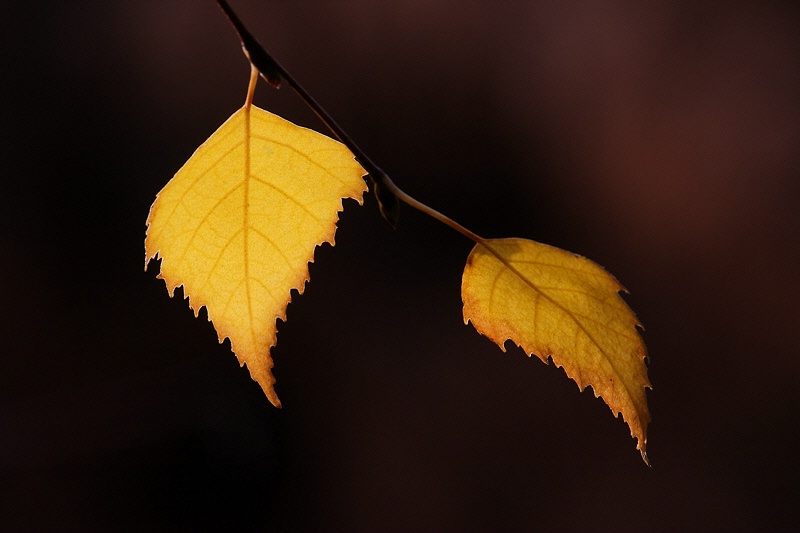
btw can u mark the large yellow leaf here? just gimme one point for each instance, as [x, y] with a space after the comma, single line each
[557, 304]
[239, 222]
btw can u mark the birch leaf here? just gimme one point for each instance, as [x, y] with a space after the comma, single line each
[239, 222]
[560, 305]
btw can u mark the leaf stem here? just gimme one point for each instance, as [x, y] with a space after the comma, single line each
[251, 87]
[386, 191]
[424, 208]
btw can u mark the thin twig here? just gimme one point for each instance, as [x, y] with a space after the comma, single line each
[386, 191]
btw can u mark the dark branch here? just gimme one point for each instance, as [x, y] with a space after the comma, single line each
[270, 70]
[274, 73]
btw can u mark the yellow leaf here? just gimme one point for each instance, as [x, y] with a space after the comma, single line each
[554, 303]
[239, 222]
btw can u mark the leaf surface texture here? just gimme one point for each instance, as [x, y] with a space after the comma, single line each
[239, 222]
[554, 303]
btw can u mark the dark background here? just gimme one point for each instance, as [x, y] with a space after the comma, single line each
[661, 139]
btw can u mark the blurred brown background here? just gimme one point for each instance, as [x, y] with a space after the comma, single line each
[661, 139]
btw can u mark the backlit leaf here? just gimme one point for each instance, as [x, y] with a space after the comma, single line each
[239, 222]
[554, 303]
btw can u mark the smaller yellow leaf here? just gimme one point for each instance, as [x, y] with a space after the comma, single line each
[554, 303]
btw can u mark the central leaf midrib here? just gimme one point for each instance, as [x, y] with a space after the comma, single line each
[246, 221]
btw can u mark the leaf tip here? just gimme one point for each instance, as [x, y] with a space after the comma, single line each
[263, 376]
[273, 399]
[642, 447]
